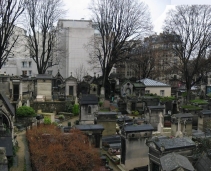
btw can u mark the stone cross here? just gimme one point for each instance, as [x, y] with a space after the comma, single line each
[179, 133]
[160, 125]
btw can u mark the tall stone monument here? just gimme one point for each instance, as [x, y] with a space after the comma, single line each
[44, 86]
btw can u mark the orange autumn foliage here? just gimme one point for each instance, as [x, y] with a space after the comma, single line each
[52, 150]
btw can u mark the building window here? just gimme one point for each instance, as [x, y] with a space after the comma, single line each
[24, 64]
[49, 64]
[147, 91]
[162, 92]
[30, 64]
[30, 73]
[24, 72]
[50, 72]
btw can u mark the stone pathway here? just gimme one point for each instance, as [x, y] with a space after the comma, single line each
[23, 161]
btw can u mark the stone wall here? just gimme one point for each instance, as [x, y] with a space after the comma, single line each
[49, 107]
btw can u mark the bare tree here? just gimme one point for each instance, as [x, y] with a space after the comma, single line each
[117, 23]
[193, 26]
[144, 61]
[10, 10]
[41, 16]
[80, 72]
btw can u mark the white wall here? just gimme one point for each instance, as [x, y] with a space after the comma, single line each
[156, 90]
[76, 36]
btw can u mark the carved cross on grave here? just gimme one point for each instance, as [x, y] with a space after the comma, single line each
[160, 125]
[179, 133]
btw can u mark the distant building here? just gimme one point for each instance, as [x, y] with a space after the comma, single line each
[155, 46]
[156, 87]
[75, 36]
[19, 61]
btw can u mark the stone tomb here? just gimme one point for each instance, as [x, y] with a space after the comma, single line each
[88, 108]
[181, 124]
[108, 120]
[134, 151]
[204, 120]
[161, 146]
[71, 86]
[152, 116]
[176, 161]
[44, 86]
[94, 133]
[5, 85]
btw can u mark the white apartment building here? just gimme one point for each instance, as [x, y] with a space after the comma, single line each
[19, 61]
[74, 36]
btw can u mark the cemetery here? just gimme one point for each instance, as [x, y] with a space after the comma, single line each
[131, 130]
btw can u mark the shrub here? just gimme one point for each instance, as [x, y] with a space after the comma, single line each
[76, 109]
[47, 120]
[100, 103]
[167, 99]
[55, 123]
[191, 107]
[25, 111]
[136, 113]
[199, 102]
[61, 117]
[69, 107]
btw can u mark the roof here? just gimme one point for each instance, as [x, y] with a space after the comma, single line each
[174, 161]
[153, 83]
[114, 75]
[71, 78]
[183, 115]
[115, 145]
[88, 99]
[203, 164]
[156, 107]
[111, 139]
[205, 112]
[9, 105]
[44, 76]
[108, 113]
[123, 118]
[7, 143]
[27, 78]
[138, 128]
[89, 127]
[174, 143]
[139, 85]
[58, 75]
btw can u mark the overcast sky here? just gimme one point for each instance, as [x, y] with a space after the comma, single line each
[78, 9]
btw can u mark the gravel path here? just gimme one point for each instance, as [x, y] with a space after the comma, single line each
[21, 154]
